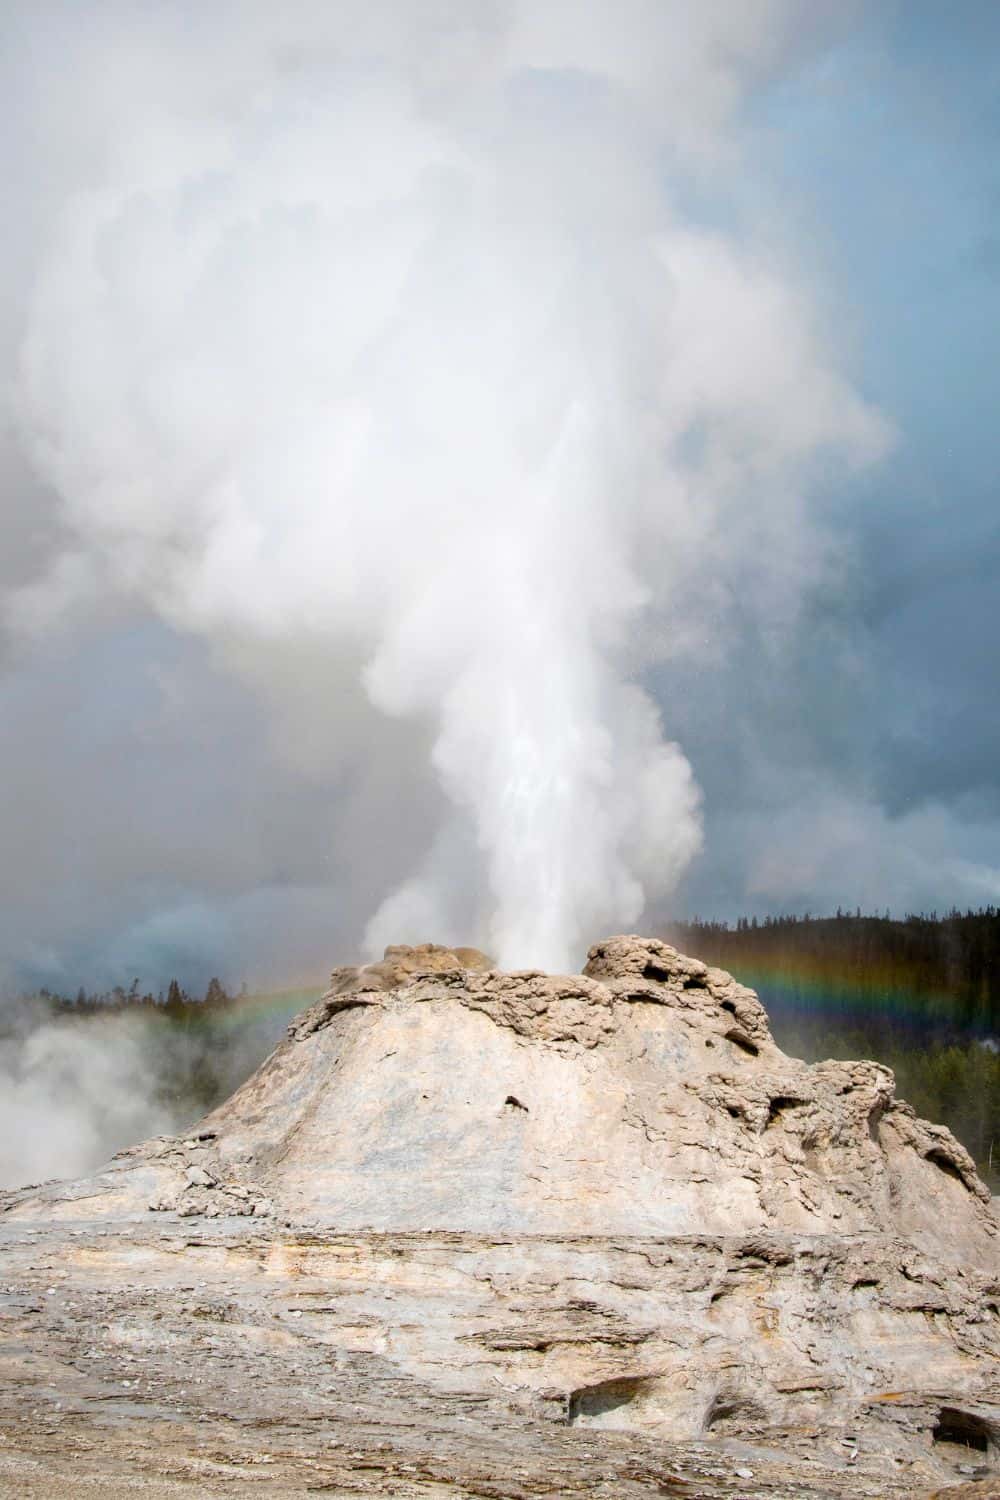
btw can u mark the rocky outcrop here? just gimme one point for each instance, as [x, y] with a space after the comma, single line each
[548, 1204]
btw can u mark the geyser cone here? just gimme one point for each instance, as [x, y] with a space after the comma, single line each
[645, 1096]
[521, 1204]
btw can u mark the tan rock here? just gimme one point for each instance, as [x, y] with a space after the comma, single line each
[547, 1204]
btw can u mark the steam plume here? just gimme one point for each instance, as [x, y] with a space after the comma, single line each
[384, 325]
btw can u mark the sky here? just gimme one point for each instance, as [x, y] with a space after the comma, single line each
[733, 539]
[865, 769]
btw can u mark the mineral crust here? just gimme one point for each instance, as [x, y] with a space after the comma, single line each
[478, 1233]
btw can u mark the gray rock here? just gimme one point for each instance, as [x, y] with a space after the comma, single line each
[198, 1177]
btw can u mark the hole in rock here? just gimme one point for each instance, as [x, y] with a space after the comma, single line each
[945, 1164]
[608, 1403]
[512, 1103]
[779, 1104]
[694, 982]
[734, 1414]
[657, 972]
[743, 1042]
[963, 1430]
[728, 1005]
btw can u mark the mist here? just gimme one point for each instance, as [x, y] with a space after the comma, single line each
[425, 365]
[78, 1084]
[73, 1092]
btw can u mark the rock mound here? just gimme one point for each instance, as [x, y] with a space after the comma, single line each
[645, 1096]
[600, 1200]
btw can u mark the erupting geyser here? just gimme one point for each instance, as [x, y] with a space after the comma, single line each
[383, 330]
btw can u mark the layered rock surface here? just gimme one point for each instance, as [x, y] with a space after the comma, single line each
[527, 1206]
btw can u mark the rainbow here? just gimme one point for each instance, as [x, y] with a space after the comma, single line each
[814, 990]
[267, 1012]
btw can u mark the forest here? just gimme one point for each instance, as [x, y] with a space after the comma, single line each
[946, 966]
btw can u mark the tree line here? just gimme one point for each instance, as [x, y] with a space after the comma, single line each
[174, 1002]
[948, 967]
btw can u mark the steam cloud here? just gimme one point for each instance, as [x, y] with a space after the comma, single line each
[74, 1091]
[386, 337]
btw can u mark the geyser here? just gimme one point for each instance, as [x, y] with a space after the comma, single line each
[386, 327]
[460, 1212]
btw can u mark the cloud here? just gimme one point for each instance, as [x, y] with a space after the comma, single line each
[376, 346]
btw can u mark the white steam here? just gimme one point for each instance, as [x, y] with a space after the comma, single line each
[382, 325]
[74, 1091]
[75, 1088]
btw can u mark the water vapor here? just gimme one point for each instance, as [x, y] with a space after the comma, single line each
[77, 1085]
[72, 1092]
[421, 335]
